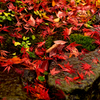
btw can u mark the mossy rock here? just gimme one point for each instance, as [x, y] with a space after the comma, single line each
[86, 42]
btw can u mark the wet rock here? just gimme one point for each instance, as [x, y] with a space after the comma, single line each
[11, 87]
[28, 77]
[77, 89]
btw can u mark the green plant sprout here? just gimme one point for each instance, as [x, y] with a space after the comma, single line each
[26, 44]
[6, 16]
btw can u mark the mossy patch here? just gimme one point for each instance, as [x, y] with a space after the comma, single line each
[86, 42]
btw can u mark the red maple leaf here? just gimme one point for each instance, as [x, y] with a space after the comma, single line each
[17, 35]
[44, 65]
[66, 69]
[47, 31]
[44, 94]
[38, 21]
[95, 60]
[81, 75]
[29, 88]
[18, 23]
[57, 81]
[69, 67]
[88, 32]
[39, 91]
[31, 21]
[54, 71]
[60, 14]
[40, 44]
[61, 57]
[76, 78]
[66, 33]
[39, 51]
[97, 42]
[73, 50]
[68, 79]
[72, 2]
[19, 71]
[11, 7]
[7, 64]
[4, 29]
[3, 52]
[84, 51]
[87, 68]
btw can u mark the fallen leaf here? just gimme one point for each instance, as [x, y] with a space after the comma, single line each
[31, 21]
[54, 71]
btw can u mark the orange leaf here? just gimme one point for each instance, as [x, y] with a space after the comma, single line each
[98, 3]
[16, 60]
[53, 3]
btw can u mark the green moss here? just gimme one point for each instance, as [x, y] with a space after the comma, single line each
[49, 42]
[85, 41]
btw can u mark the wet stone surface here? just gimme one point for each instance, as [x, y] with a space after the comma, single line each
[86, 89]
[11, 84]
[11, 87]
[29, 77]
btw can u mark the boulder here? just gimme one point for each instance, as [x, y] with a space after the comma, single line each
[77, 85]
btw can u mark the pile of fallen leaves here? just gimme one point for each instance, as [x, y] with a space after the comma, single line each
[24, 22]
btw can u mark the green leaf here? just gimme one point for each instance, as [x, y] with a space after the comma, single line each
[32, 54]
[23, 43]
[9, 18]
[25, 38]
[45, 73]
[33, 37]
[26, 46]
[3, 17]
[27, 41]
[13, 12]
[41, 78]
[1, 20]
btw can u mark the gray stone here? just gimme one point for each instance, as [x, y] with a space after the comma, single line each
[79, 89]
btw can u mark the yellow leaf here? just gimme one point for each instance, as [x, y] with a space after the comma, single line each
[17, 43]
[56, 19]
[27, 49]
[0, 13]
[14, 53]
[6, 14]
[53, 3]
[44, 15]
[24, 38]
[98, 3]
